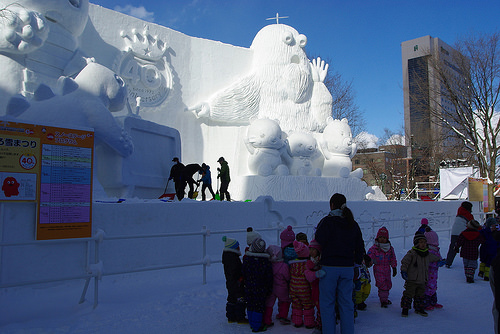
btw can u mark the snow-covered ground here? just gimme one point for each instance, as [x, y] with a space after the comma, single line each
[176, 301]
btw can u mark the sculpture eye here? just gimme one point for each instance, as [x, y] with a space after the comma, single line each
[75, 3]
[288, 38]
[302, 40]
[119, 80]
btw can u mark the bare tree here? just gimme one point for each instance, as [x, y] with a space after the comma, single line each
[343, 94]
[464, 106]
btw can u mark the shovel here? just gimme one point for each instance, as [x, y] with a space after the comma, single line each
[169, 196]
[217, 196]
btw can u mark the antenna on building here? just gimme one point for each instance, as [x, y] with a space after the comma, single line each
[277, 18]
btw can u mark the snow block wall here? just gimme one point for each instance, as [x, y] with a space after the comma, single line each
[24, 260]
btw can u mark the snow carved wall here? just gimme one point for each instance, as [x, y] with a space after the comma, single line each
[280, 96]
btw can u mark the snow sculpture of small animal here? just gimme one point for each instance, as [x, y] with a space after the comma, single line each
[263, 141]
[86, 101]
[338, 150]
[39, 43]
[301, 152]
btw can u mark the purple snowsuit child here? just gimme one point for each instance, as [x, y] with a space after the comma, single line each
[281, 279]
[431, 286]
[383, 257]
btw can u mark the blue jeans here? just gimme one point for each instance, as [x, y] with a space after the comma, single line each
[337, 285]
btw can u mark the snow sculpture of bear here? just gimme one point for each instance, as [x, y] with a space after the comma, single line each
[38, 44]
[301, 152]
[282, 85]
[263, 141]
[86, 101]
[338, 150]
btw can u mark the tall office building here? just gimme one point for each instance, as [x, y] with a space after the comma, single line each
[425, 137]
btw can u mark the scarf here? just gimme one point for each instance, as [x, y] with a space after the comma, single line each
[336, 212]
[421, 252]
[384, 247]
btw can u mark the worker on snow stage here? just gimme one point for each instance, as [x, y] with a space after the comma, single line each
[187, 175]
[206, 178]
[176, 174]
[224, 178]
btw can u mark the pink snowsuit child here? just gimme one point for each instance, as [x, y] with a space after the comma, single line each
[313, 272]
[300, 289]
[431, 286]
[383, 257]
[281, 277]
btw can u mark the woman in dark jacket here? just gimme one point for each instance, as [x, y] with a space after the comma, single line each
[343, 248]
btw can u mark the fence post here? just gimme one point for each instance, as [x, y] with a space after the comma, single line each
[204, 235]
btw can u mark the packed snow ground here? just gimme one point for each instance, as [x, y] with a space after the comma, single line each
[176, 301]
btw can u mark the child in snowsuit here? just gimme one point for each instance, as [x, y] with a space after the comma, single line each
[313, 273]
[469, 242]
[258, 278]
[281, 278]
[415, 271]
[235, 306]
[488, 249]
[431, 286]
[362, 286]
[384, 258]
[287, 238]
[300, 289]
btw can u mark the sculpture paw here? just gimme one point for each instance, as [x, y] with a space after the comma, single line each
[127, 145]
[201, 110]
[319, 69]
[22, 31]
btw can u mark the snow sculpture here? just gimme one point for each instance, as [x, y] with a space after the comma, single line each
[86, 101]
[338, 150]
[282, 85]
[263, 141]
[301, 152]
[38, 44]
[144, 68]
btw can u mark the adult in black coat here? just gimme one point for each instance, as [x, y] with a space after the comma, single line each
[187, 175]
[176, 173]
[495, 279]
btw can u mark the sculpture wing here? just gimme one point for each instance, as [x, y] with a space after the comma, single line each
[237, 103]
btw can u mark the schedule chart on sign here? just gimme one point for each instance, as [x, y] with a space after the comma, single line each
[65, 184]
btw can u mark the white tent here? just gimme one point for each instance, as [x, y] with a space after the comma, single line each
[454, 182]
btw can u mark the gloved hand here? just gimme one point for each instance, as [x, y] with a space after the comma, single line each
[170, 178]
[404, 274]
[441, 262]
[394, 272]
[320, 273]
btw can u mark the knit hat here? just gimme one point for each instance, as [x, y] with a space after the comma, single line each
[432, 238]
[231, 245]
[417, 237]
[287, 236]
[474, 224]
[301, 249]
[383, 232]
[315, 244]
[424, 221]
[251, 235]
[302, 237]
[275, 252]
[258, 246]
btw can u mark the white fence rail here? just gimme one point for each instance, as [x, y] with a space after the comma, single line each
[95, 265]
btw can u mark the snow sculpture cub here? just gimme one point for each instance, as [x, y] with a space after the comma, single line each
[39, 43]
[86, 101]
[301, 152]
[264, 142]
[338, 150]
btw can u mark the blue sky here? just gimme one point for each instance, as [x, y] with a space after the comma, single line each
[361, 38]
